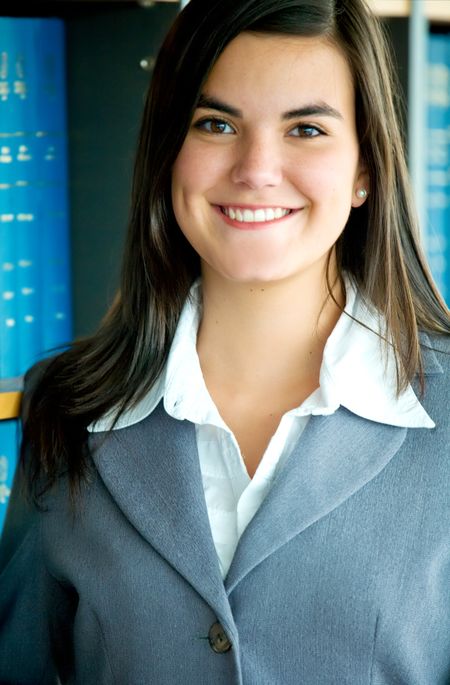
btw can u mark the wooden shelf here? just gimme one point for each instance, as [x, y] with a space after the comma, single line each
[435, 10]
[10, 405]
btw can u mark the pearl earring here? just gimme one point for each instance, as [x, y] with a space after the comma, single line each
[361, 193]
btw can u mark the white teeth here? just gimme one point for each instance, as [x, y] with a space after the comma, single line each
[259, 215]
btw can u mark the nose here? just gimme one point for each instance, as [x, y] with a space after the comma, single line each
[258, 163]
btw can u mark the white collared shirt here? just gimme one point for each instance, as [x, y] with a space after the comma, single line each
[357, 372]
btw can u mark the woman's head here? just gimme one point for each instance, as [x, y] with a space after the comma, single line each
[195, 42]
[270, 167]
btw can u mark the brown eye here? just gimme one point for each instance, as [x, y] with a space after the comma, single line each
[215, 126]
[305, 131]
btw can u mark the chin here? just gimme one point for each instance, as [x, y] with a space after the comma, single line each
[267, 270]
[253, 276]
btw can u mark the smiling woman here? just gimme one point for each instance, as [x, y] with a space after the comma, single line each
[242, 477]
[282, 165]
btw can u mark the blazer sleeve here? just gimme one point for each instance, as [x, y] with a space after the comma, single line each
[34, 606]
[29, 598]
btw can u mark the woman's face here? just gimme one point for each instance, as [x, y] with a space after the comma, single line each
[267, 175]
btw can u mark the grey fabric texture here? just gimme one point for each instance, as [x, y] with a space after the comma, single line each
[342, 577]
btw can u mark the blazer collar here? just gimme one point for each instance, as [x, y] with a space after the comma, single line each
[152, 471]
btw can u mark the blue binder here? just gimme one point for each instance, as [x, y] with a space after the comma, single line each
[438, 179]
[25, 194]
[56, 304]
[8, 458]
[35, 311]
[9, 360]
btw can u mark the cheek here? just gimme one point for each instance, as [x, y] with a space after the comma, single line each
[328, 179]
[181, 176]
[196, 171]
[188, 188]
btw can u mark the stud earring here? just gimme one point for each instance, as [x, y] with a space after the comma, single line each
[361, 193]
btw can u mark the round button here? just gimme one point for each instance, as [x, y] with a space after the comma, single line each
[218, 639]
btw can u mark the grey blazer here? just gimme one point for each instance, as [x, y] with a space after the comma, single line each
[341, 578]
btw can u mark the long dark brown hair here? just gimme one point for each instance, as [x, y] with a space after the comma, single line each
[379, 246]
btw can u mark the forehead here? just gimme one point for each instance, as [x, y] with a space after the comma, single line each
[278, 67]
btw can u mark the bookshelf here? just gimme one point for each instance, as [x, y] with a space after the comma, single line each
[106, 42]
[35, 283]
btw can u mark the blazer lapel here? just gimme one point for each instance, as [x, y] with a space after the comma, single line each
[336, 456]
[152, 471]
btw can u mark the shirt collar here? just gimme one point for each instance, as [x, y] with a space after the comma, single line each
[358, 372]
[185, 393]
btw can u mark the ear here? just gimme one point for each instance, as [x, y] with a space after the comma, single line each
[361, 187]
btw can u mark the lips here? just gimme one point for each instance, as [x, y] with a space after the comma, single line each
[260, 215]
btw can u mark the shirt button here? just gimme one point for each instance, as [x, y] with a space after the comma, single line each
[218, 639]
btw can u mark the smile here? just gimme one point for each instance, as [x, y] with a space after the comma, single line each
[250, 216]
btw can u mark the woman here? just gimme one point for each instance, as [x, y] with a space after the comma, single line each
[271, 504]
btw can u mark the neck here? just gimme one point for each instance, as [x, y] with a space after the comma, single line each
[258, 336]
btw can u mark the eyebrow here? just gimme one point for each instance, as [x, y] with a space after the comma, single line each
[313, 109]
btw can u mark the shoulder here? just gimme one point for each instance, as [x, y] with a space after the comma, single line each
[435, 352]
[439, 342]
[435, 395]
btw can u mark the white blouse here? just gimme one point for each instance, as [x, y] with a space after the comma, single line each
[356, 373]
